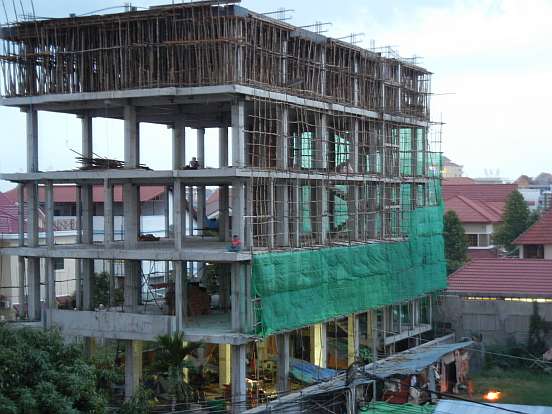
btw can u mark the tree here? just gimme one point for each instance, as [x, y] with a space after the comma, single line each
[456, 245]
[40, 373]
[171, 358]
[515, 220]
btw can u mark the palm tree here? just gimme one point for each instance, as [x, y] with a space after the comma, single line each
[171, 357]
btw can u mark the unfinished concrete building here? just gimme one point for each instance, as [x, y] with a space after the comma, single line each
[328, 180]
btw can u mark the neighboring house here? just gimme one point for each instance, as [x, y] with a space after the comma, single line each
[495, 298]
[536, 191]
[479, 208]
[536, 241]
[451, 169]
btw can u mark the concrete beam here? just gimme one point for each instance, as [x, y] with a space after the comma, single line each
[239, 389]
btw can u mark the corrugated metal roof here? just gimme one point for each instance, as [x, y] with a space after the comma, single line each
[415, 360]
[512, 277]
[464, 407]
[538, 233]
[386, 408]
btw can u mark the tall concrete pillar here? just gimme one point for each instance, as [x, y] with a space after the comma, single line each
[225, 367]
[180, 294]
[132, 284]
[224, 208]
[238, 134]
[33, 271]
[282, 344]
[179, 145]
[201, 196]
[353, 339]
[78, 262]
[51, 302]
[318, 345]
[179, 213]
[239, 388]
[20, 259]
[238, 211]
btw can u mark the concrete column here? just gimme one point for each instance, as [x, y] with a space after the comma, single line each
[318, 344]
[179, 213]
[225, 367]
[238, 210]
[50, 273]
[78, 262]
[282, 213]
[32, 140]
[179, 145]
[21, 242]
[282, 344]
[282, 145]
[133, 367]
[353, 339]
[131, 139]
[33, 268]
[238, 134]
[237, 298]
[356, 90]
[271, 213]
[180, 294]
[224, 203]
[190, 210]
[283, 69]
[323, 70]
[321, 142]
[320, 206]
[239, 389]
[108, 214]
[201, 198]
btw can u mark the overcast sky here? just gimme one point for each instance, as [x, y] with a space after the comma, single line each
[492, 65]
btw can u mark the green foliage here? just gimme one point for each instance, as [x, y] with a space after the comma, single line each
[140, 403]
[456, 246]
[538, 328]
[39, 373]
[101, 290]
[515, 220]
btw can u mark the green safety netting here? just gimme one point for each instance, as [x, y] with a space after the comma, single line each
[299, 288]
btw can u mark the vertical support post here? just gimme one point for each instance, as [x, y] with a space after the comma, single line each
[133, 367]
[190, 210]
[238, 211]
[131, 139]
[108, 214]
[225, 367]
[238, 134]
[179, 145]
[374, 318]
[224, 210]
[318, 341]
[201, 197]
[323, 90]
[282, 345]
[87, 205]
[237, 298]
[239, 389]
[321, 142]
[180, 294]
[33, 275]
[50, 273]
[353, 339]
[78, 262]
[283, 69]
[179, 213]
[21, 243]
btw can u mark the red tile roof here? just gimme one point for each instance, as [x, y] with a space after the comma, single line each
[67, 193]
[9, 222]
[479, 192]
[457, 180]
[482, 253]
[503, 277]
[538, 233]
[472, 211]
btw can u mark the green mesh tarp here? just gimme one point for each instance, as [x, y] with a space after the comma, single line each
[299, 288]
